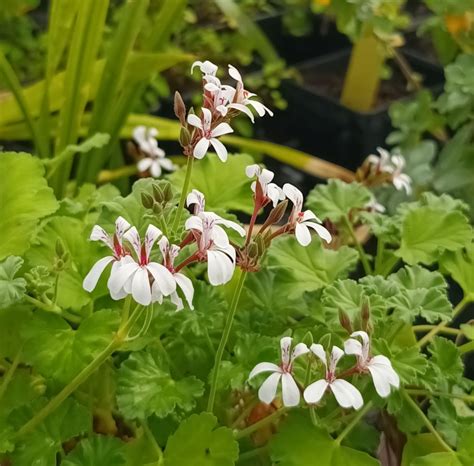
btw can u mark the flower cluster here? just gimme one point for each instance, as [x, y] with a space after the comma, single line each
[221, 103]
[346, 394]
[385, 168]
[154, 158]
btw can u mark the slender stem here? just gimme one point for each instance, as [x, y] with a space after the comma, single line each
[80, 378]
[443, 324]
[354, 422]
[426, 421]
[258, 425]
[224, 339]
[247, 455]
[184, 192]
[41, 305]
[362, 255]
[251, 224]
[156, 447]
[109, 175]
[467, 347]
[429, 393]
[427, 328]
[9, 374]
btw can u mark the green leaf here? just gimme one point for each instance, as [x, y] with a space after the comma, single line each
[337, 198]
[349, 296]
[443, 413]
[12, 320]
[26, 198]
[408, 420]
[410, 364]
[419, 445]
[460, 265]
[82, 254]
[210, 175]
[437, 459]
[447, 358]
[299, 443]
[300, 269]
[58, 351]
[11, 289]
[198, 438]
[145, 387]
[96, 450]
[41, 446]
[421, 292]
[428, 232]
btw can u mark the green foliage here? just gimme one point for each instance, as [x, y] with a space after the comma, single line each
[60, 352]
[96, 450]
[210, 175]
[198, 438]
[447, 358]
[307, 269]
[145, 387]
[26, 198]
[336, 199]
[298, 442]
[11, 289]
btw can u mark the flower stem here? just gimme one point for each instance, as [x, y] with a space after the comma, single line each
[427, 328]
[224, 339]
[429, 393]
[427, 422]
[467, 347]
[251, 224]
[106, 176]
[258, 425]
[360, 250]
[353, 423]
[247, 455]
[80, 378]
[184, 192]
[9, 374]
[444, 324]
[154, 443]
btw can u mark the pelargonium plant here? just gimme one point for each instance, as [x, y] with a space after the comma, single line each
[157, 328]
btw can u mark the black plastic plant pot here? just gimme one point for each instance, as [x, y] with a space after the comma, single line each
[324, 38]
[317, 123]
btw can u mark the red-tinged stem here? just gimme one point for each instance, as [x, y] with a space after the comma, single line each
[349, 372]
[189, 238]
[252, 223]
[192, 258]
[280, 231]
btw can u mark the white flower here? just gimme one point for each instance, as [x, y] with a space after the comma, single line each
[114, 243]
[170, 252]
[400, 180]
[156, 160]
[374, 206]
[146, 140]
[242, 98]
[302, 221]
[289, 389]
[221, 95]
[380, 367]
[208, 135]
[345, 393]
[264, 177]
[134, 276]
[207, 68]
[197, 199]
[393, 165]
[382, 161]
[214, 246]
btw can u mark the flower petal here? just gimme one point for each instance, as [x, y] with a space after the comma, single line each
[244, 109]
[99, 234]
[120, 274]
[320, 230]
[336, 354]
[285, 348]
[289, 390]
[186, 286]
[346, 394]
[234, 73]
[303, 236]
[315, 391]
[220, 267]
[195, 121]
[200, 149]
[298, 351]
[193, 223]
[318, 350]
[220, 149]
[155, 169]
[144, 164]
[263, 367]
[293, 194]
[91, 279]
[163, 277]
[352, 346]
[267, 391]
[141, 288]
[151, 235]
[221, 129]
[133, 237]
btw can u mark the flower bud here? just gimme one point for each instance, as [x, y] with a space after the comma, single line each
[147, 200]
[260, 242]
[158, 194]
[276, 214]
[59, 248]
[365, 314]
[157, 209]
[184, 136]
[252, 250]
[345, 321]
[179, 108]
[167, 192]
